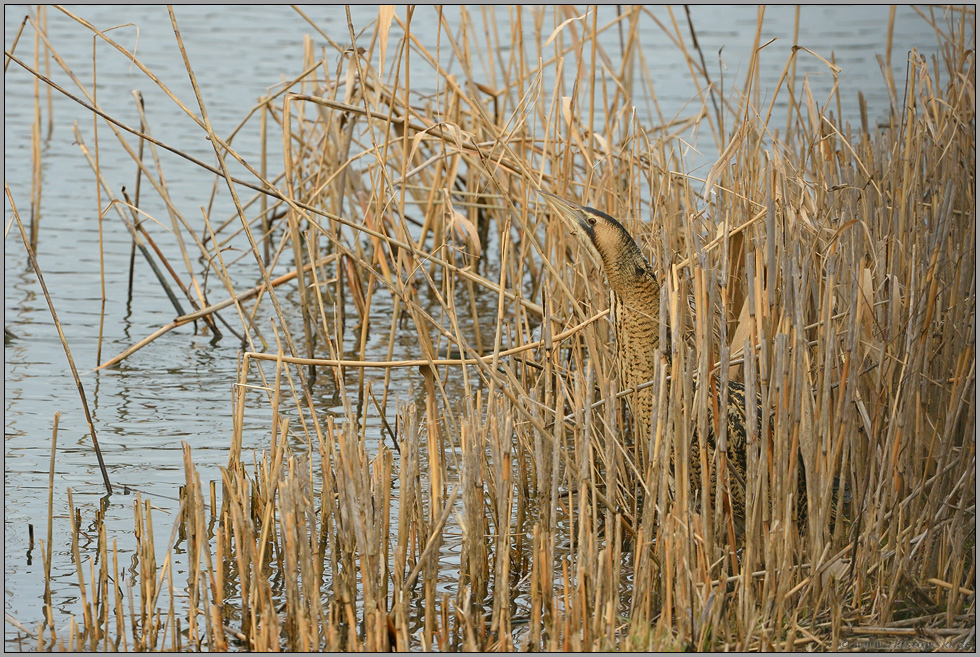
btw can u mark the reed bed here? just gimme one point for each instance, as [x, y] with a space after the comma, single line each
[506, 502]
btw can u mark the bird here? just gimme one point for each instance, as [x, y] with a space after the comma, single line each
[634, 297]
[635, 313]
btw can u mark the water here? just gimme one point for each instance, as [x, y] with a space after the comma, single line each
[178, 389]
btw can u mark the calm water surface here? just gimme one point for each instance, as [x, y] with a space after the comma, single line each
[179, 388]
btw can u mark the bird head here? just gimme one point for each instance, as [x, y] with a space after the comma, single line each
[607, 239]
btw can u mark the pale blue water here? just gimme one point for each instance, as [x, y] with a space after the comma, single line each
[179, 388]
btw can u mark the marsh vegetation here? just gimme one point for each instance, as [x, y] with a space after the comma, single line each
[831, 267]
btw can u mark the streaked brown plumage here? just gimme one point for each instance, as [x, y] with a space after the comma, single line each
[634, 298]
[635, 311]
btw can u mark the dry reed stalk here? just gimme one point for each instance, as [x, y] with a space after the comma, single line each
[46, 554]
[136, 196]
[64, 343]
[35, 216]
[197, 298]
[16, 40]
[474, 557]
[131, 226]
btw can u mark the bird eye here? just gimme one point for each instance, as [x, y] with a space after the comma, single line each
[592, 221]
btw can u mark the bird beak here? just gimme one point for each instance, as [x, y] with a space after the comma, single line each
[572, 213]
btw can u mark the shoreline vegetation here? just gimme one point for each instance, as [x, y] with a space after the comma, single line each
[832, 269]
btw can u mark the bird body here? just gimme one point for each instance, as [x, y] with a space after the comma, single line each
[635, 310]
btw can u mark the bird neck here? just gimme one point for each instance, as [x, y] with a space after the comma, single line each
[631, 277]
[642, 299]
[636, 299]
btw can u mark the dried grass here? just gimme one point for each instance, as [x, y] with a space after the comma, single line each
[832, 269]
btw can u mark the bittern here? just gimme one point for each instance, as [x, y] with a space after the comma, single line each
[635, 312]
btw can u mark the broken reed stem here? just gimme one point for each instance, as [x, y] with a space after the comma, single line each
[47, 552]
[98, 208]
[35, 216]
[489, 359]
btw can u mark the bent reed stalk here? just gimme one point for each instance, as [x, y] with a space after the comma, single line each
[483, 491]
